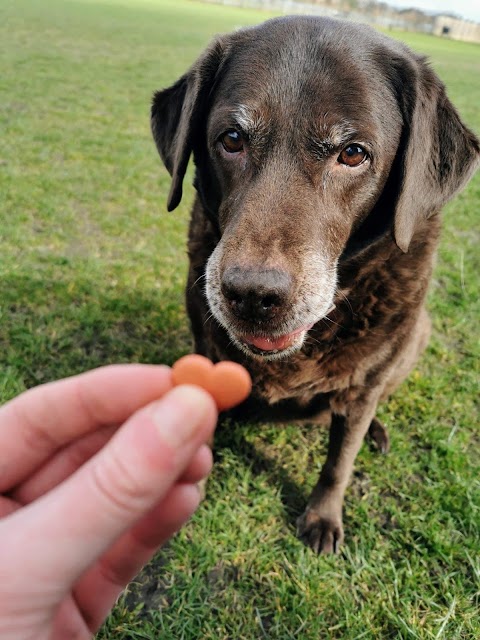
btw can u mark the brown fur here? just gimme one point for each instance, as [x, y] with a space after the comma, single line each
[282, 228]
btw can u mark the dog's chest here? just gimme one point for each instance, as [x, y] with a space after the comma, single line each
[301, 378]
[320, 368]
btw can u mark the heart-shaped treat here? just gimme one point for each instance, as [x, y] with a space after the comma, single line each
[227, 382]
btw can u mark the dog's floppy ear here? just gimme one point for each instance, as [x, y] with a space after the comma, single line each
[177, 114]
[439, 153]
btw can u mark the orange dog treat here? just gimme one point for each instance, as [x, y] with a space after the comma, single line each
[227, 382]
[192, 369]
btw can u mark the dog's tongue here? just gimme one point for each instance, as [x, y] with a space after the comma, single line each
[274, 344]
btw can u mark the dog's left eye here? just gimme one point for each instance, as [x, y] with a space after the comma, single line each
[353, 155]
[232, 141]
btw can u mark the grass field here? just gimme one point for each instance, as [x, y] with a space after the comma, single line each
[92, 271]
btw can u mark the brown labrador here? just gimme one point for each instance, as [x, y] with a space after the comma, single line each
[324, 152]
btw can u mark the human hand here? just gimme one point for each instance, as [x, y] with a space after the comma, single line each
[95, 474]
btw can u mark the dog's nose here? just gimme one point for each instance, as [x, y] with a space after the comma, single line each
[256, 294]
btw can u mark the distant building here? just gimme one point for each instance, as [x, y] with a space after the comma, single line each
[456, 28]
[375, 12]
[416, 20]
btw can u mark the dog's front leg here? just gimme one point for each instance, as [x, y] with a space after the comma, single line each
[321, 523]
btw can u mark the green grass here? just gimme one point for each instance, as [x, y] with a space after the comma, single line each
[92, 271]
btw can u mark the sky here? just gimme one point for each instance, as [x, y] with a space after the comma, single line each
[469, 9]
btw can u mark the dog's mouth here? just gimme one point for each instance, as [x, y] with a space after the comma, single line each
[280, 343]
[273, 346]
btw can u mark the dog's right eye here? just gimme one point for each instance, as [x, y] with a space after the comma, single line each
[232, 141]
[352, 156]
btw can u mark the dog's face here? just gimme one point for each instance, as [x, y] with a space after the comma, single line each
[300, 150]
[299, 128]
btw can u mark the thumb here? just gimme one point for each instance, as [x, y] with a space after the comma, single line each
[64, 532]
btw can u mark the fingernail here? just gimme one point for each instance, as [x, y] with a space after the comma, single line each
[183, 411]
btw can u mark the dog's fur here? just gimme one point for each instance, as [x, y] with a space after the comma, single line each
[282, 229]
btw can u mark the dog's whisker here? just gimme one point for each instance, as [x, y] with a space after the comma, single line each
[199, 279]
[345, 298]
[326, 319]
[310, 338]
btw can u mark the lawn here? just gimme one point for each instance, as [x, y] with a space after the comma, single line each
[92, 270]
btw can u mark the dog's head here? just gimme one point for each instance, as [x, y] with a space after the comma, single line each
[303, 131]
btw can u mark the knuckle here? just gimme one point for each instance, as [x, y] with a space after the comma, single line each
[117, 484]
[35, 434]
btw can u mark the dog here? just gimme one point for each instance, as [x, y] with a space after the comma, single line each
[324, 152]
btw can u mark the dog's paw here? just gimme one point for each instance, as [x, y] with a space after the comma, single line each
[323, 533]
[378, 434]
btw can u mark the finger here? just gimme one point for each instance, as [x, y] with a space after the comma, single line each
[69, 459]
[36, 424]
[7, 506]
[98, 589]
[199, 467]
[79, 520]
[62, 465]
